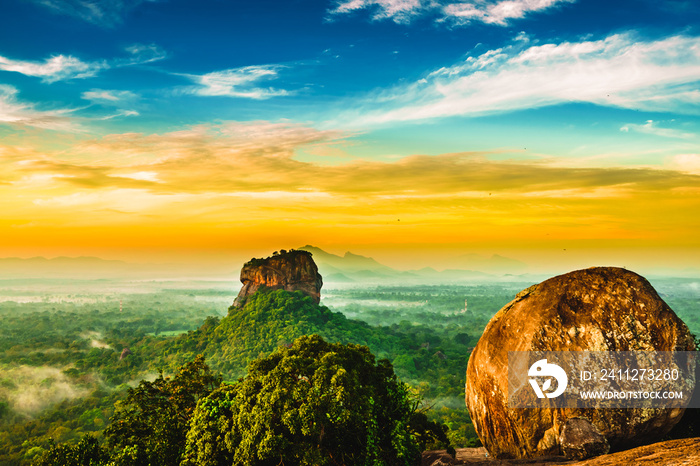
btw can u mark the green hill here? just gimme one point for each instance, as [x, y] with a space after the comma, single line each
[432, 362]
[276, 318]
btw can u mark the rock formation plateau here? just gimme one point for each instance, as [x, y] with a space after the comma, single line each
[288, 270]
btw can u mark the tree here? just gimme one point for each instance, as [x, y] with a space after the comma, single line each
[462, 338]
[149, 426]
[4, 408]
[87, 452]
[315, 403]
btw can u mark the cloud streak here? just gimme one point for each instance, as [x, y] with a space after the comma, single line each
[141, 54]
[67, 67]
[399, 11]
[689, 163]
[248, 181]
[111, 97]
[108, 13]
[651, 127]
[233, 158]
[15, 112]
[498, 13]
[238, 82]
[618, 71]
[450, 12]
[56, 68]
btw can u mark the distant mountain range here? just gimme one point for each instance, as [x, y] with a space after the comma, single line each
[348, 268]
[351, 268]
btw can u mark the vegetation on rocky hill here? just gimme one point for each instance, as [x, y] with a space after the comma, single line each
[313, 403]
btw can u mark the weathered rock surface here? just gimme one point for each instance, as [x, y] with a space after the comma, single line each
[596, 309]
[579, 439]
[125, 352]
[293, 270]
[669, 453]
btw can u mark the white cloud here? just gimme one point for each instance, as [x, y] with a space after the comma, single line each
[238, 82]
[123, 101]
[107, 13]
[124, 200]
[65, 67]
[143, 53]
[108, 96]
[689, 163]
[12, 111]
[650, 127]
[456, 13]
[140, 176]
[39, 179]
[496, 12]
[121, 113]
[400, 11]
[99, 96]
[618, 71]
[56, 68]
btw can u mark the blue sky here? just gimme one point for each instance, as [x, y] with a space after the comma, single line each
[574, 85]
[329, 63]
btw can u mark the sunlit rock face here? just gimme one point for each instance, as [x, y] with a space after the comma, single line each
[289, 270]
[596, 309]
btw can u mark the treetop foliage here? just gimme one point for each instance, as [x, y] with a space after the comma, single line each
[314, 403]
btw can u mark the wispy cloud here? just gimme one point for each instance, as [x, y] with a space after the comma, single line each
[245, 180]
[15, 112]
[618, 71]
[141, 54]
[108, 13]
[238, 82]
[650, 127]
[400, 11]
[121, 113]
[689, 163]
[56, 68]
[497, 12]
[66, 67]
[124, 101]
[108, 96]
[259, 157]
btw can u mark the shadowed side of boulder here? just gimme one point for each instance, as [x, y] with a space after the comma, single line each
[580, 439]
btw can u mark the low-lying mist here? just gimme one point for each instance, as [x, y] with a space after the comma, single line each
[30, 390]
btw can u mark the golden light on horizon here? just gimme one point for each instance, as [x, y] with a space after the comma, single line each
[221, 187]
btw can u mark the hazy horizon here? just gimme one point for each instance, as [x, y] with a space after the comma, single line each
[228, 266]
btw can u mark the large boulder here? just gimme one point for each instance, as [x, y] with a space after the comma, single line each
[596, 309]
[289, 270]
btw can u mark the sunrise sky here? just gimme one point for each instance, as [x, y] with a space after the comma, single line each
[563, 133]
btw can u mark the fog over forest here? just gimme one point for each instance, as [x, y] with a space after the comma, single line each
[62, 343]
